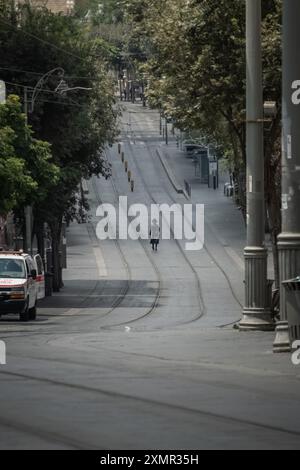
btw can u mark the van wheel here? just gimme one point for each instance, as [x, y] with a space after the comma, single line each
[32, 312]
[24, 316]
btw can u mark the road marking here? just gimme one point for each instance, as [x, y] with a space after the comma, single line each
[72, 312]
[100, 262]
[235, 257]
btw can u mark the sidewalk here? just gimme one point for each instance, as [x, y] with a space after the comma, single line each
[224, 222]
[84, 268]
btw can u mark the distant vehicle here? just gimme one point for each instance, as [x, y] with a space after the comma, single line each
[40, 279]
[191, 148]
[22, 283]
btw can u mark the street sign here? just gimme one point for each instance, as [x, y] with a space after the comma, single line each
[2, 92]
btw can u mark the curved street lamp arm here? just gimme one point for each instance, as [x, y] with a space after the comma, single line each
[41, 82]
[65, 90]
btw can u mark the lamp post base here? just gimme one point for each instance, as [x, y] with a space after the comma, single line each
[289, 266]
[282, 340]
[256, 319]
[257, 314]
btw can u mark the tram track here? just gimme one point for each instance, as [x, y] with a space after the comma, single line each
[171, 197]
[155, 302]
[160, 404]
[200, 298]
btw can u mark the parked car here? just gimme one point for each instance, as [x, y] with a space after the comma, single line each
[22, 283]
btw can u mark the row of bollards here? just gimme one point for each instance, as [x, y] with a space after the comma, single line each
[126, 166]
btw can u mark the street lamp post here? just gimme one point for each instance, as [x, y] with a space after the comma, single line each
[256, 313]
[166, 131]
[160, 123]
[37, 89]
[289, 239]
[60, 89]
[28, 209]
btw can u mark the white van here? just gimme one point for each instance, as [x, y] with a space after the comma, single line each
[40, 279]
[21, 284]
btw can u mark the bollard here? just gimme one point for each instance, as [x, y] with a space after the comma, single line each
[132, 186]
[126, 166]
[129, 176]
[123, 157]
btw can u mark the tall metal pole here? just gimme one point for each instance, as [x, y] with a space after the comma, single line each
[289, 239]
[26, 103]
[28, 209]
[166, 131]
[256, 313]
[160, 122]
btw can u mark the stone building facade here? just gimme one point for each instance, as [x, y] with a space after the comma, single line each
[56, 6]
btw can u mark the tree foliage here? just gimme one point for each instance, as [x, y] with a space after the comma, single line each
[26, 171]
[78, 123]
[196, 69]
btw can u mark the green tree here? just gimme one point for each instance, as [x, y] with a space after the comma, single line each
[26, 172]
[78, 124]
[197, 74]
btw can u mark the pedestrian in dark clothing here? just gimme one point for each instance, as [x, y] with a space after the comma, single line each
[154, 234]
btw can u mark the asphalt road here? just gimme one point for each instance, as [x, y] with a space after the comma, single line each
[138, 351]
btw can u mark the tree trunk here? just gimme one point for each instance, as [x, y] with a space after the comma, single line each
[39, 232]
[56, 236]
[273, 188]
[274, 217]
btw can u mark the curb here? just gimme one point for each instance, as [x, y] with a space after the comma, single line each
[171, 175]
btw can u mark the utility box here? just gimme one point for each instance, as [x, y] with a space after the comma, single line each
[292, 288]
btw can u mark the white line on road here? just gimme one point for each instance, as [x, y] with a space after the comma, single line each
[100, 262]
[235, 257]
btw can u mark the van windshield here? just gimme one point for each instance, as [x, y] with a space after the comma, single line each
[12, 268]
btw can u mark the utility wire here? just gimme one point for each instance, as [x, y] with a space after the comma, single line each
[7, 23]
[59, 103]
[46, 91]
[10, 69]
[29, 87]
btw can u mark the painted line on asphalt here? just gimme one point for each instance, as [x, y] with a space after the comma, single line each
[235, 257]
[102, 270]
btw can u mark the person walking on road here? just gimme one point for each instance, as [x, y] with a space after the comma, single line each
[154, 234]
